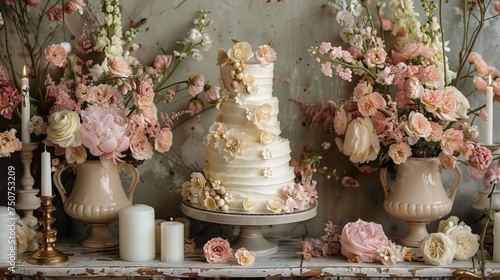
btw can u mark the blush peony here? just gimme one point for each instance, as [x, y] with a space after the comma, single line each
[217, 250]
[360, 241]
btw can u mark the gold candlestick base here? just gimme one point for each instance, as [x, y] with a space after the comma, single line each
[46, 253]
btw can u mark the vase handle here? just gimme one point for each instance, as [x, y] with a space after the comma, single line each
[135, 178]
[57, 181]
[456, 184]
[383, 181]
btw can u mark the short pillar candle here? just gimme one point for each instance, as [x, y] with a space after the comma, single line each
[172, 241]
[137, 233]
[158, 235]
[496, 238]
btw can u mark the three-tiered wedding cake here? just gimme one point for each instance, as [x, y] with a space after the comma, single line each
[247, 162]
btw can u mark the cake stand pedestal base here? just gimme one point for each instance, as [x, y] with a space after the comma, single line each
[250, 235]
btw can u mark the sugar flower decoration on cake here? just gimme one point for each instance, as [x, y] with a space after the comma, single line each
[210, 194]
[230, 143]
[217, 250]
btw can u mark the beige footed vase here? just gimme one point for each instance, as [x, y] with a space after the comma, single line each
[418, 196]
[96, 198]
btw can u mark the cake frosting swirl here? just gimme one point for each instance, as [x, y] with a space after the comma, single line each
[247, 161]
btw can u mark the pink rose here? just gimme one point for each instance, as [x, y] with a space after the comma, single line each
[265, 55]
[144, 96]
[119, 68]
[448, 162]
[375, 56]
[140, 147]
[9, 143]
[433, 73]
[57, 54]
[399, 152]
[479, 83]
[360, 241]
[163, 141]
[217, 250]
[436, 133]
[162, 62]
[362, 88]
[417, 127]
[368, 105]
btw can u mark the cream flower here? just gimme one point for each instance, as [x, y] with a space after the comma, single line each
[267, 137]
[466, 242]
[262, 116]
[241, 51]
[437, 249]
[198, 182]
[210, 203]
[76, 155]
[399, 152]
[64, 129]
[248, 79]
[234, 145]
[222, 57]
[451, 221]
[244, 257]
[119, 68]
[248, 204]
[417, 127]
[24, 237]
[275, 205]
[9, 143]
[163, 141]
[361, 143]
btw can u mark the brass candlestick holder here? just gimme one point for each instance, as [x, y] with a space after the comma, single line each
[46, 253]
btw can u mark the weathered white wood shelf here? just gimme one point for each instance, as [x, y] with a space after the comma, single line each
[86, 262]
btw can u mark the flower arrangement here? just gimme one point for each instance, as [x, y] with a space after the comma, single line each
[406, 100]
[107, 105]
[218, 250]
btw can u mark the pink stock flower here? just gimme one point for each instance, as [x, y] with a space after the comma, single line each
[349, 182]
[196, 83]
[10, 98]
[57, 54]
[265, 55]
[162, 62]
[217, 250]
[452, 141]
[104, 132]
[361, 240]
[480, 158]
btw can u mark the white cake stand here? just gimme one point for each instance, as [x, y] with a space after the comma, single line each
[250, 235]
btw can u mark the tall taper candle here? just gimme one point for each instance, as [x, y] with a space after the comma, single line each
[496, 238]
[46, 174]
[25, 108]
[488, 136]
[137, 233]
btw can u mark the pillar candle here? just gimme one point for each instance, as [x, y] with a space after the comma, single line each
[46, 174]
[187, 225]
[137, 233]
[4, 236]
[158, 235]
[25, 108]
[496, 238]
[488, 136]
[172, 241]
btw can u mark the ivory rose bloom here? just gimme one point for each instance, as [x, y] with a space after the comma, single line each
[466, 242]
[119, 68]
[217, 250]
[361, 143]
[9, 143]
[244, 257]
[248, 204]
[360, 241]
[262, 116]
[241, 51]
[64, 129]
[417, 127]
[437, 249]
[76, 154]
[163, 141]
[275, 205]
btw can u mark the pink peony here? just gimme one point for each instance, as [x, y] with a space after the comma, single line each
[361, 240]
[9, 100]
[436, 133]
[217, 250]
[480, 158]
[162, 62]
[57, 54]
[265, 55]
[104, 132]
[196, 83]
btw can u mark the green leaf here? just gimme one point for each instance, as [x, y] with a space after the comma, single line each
[234, 41]
[270, 42]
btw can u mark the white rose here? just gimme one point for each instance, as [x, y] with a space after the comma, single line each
[416, 88]
[267, 137]
[240, 52]
[437, 249]
[76, 154]
[464, 106]
[248, 79]
[467, 243]
[275, 205]
[248, 204]
[64, 129]
[262, 116]
[361, 142]
[24, 236]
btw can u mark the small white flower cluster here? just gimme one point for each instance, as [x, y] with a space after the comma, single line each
[210, 193]
[230, 143]
[197, 36]
[109, 34]
[391, 253]
[453, 240]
